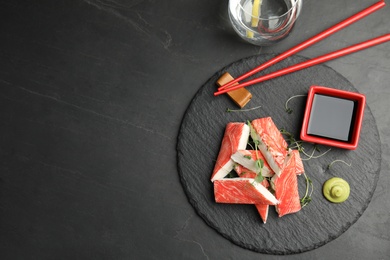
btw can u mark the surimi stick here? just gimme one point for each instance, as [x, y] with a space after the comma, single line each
[235, 138]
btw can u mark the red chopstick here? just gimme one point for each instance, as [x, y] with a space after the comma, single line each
[312, 62]
[309, 42]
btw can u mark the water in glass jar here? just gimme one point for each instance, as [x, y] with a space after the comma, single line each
[263, 22]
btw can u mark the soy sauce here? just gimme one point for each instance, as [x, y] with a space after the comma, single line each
[332, 117]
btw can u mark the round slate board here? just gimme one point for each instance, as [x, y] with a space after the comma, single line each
[316, 224]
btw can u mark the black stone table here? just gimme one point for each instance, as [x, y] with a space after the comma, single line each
[92, 98]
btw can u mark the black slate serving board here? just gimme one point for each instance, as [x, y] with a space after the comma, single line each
[199, 141]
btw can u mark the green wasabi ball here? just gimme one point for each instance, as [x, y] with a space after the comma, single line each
[336, 190]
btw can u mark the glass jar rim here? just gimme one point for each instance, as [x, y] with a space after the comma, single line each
[294, 4]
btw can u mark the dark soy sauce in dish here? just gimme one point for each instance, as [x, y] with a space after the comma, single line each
[332, 117]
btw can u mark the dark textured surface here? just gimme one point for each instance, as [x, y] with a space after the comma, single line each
[320, 222]
[92, 96]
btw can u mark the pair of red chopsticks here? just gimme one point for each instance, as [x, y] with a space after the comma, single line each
[333, 55]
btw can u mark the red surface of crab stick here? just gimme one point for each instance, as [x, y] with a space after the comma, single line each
[235, 138]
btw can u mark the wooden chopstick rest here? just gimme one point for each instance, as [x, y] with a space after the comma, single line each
[240, 96]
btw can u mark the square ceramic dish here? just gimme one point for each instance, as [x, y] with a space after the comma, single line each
[333, 117]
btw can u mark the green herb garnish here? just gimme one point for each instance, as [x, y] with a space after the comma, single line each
[242, 110]
[259, 178]
[312, 156]
[259, 167]
[289, 110]
[306, 199]
[342, 161]
[259, 162]
[294, 144]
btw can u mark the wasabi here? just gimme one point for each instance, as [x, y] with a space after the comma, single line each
[336, 190]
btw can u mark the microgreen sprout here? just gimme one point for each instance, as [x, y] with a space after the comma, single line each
[295, 144]
[306, 199]
[259, 162]
[251, 146]
[259, 178]
[335, 161]
[312, 156]
[289, 110]
[259, 166]
[242, 110]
